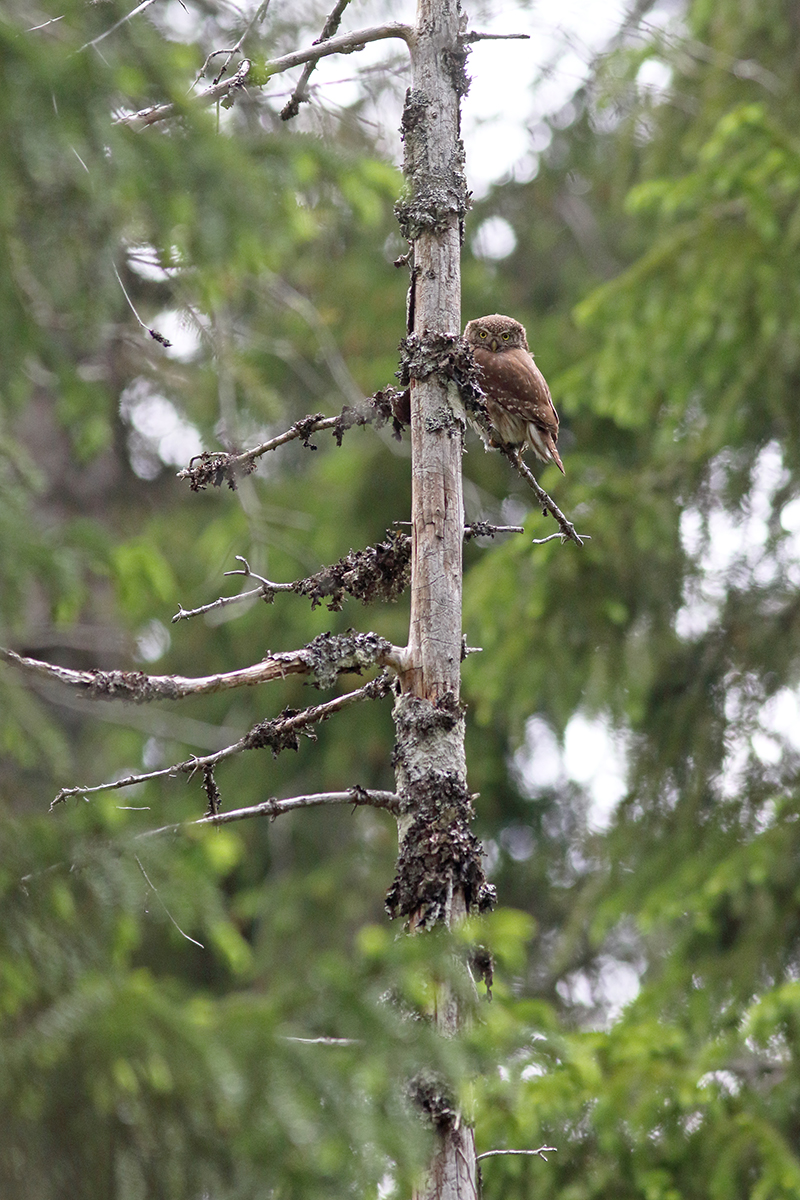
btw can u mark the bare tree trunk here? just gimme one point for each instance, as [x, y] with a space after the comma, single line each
[440, 877]
[435, 171]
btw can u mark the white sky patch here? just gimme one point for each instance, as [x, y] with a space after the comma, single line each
[165, 438]
[152, 641]
[145, 261]
[654, 76]
[729, 543]
[592, 755]
[614, 986]
[183, 335]
[494, 239]
[515, 83]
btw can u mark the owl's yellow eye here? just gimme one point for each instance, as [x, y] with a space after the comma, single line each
[506, 336]
[482, 333]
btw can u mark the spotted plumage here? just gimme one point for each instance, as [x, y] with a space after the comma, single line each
[518, 401]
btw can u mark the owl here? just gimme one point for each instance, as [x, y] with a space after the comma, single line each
[518, 399]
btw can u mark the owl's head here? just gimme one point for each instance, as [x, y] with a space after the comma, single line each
[496, 333]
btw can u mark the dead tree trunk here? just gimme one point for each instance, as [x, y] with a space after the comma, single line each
[440, 878]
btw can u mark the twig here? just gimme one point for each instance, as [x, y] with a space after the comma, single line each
[183, 614]
[260, 13]
[292, 107]
[264, 591]
[275, 808]
[484, 529]
[554, 537]
[346, 43]
[472, 36]
[133, 13]
[159, 337]
[540, 1152]
[276, 734]
[44, 24]
[567, 528]
[157, 895]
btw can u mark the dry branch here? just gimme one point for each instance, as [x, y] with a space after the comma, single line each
[274, 808]
[292, 106]
[218, 467]
[256, 76]
[278, 733]
[326, 657]
[568, 532]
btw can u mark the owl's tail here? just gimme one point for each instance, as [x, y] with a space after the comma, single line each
[543, 445]
[557, 459]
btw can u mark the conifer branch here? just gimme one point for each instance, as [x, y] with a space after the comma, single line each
[568, 532]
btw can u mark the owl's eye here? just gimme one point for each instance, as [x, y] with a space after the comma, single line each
[506, 336]
[482, 333]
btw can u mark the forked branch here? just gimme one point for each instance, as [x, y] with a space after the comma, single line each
[257, 75]
[568, 532]
[276, 734]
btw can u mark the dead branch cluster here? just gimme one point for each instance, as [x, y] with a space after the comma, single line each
[376, 573]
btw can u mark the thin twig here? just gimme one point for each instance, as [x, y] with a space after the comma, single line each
[494, 37]
[540, 1152]
[159, 337]
[44, 24]
[261, 12]
[554, 537]
[264, 591]
[275, 808]
[292, 107]
[157, 895]
[133, 13]
[567, 528]
[346, 43]
[183, 614]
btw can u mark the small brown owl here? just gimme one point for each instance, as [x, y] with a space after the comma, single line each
[518, 399]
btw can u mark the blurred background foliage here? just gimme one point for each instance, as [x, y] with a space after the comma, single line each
[646, 1010]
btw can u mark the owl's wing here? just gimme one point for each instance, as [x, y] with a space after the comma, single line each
[513, 379]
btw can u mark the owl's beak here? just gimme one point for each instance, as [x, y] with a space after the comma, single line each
[494, 344]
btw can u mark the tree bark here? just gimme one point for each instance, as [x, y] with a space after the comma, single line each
[440, 877]
[435, 173]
